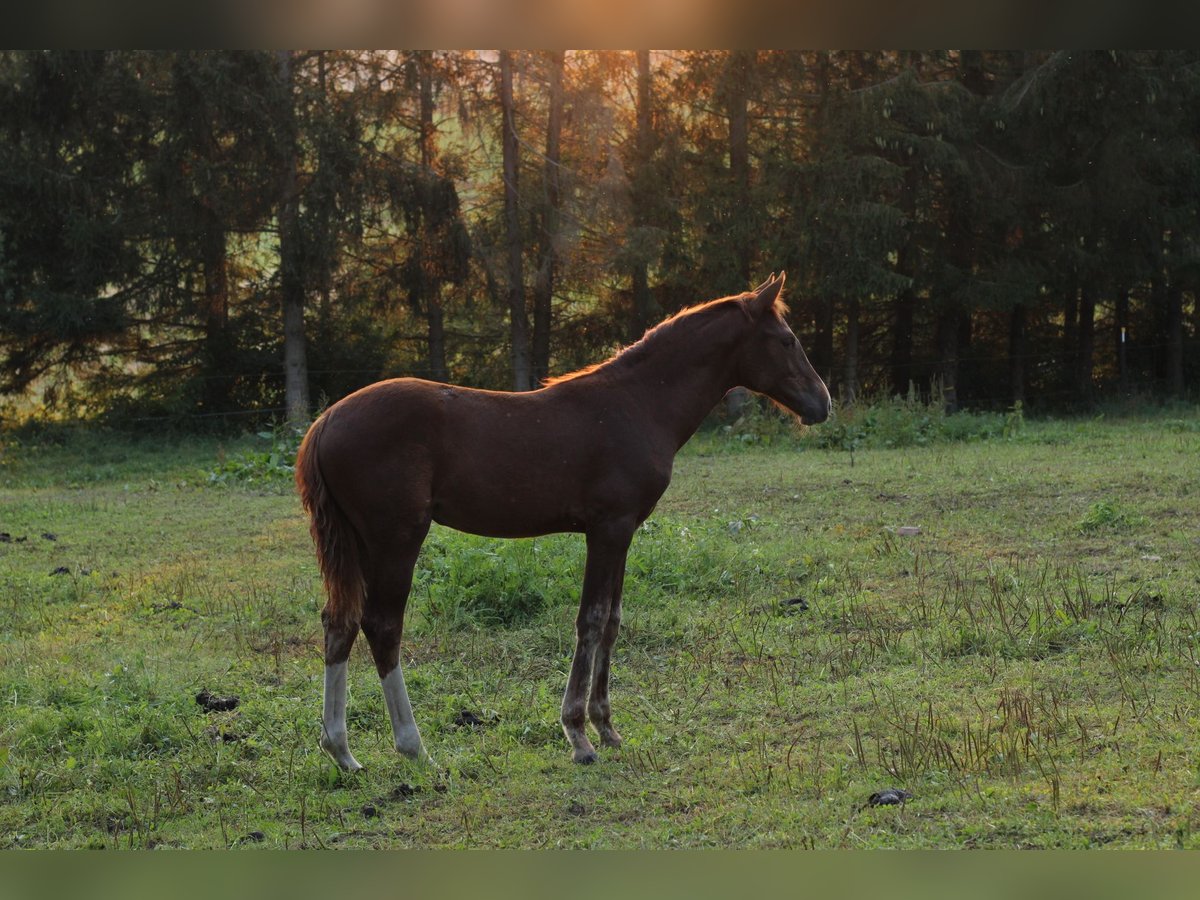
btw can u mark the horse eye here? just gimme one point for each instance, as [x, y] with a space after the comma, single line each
[788, 341]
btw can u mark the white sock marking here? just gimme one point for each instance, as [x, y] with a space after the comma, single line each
[333, 718]
[404, 726]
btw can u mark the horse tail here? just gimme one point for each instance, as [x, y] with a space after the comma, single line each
[338, 550]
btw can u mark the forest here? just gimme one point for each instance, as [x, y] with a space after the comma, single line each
[191, 236]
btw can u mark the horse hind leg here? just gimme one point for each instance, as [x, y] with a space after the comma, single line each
[339, 639]
[383, 625]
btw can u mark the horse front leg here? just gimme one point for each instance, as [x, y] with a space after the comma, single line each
[599, 708]
[605, 567]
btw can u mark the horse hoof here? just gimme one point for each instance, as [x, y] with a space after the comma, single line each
[585, 758]
[610, 738]
[341, 755]
[416, 754]
[421, 759]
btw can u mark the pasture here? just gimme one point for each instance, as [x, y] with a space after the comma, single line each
[1025, 666]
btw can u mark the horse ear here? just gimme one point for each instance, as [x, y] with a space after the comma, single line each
[764, 284]
[765, 295]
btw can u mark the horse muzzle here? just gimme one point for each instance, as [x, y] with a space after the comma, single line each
[815, 409]
[814, 418]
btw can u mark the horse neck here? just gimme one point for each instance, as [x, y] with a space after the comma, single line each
[677, 391]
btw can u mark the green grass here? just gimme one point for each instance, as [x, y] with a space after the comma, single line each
[1026, 666]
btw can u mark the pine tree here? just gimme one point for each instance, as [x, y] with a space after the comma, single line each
[74, 127]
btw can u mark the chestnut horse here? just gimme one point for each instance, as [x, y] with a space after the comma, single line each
[589, 452]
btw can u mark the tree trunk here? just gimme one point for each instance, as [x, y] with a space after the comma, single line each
[519, 326]
[1086, 336]
[428, 289]
[643, 303]
[543, 288]
[904, 306]
[640, 320]
[821, 354]
[850, 379]
[971, 72]
[737, 108]
[327, 242]
[217, 384]
[218, 342]
[964, 383]
[1174, 336]
[291, 276]
[1120, 338]
[954, 320]
[737, 97]
[947, 341]
[1070, 340]
[1017, 353]
[902, 340]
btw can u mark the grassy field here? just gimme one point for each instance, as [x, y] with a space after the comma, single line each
[1026, 666]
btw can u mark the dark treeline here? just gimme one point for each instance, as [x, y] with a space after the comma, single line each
[208, 233]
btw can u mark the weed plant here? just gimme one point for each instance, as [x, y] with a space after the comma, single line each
[884, 422]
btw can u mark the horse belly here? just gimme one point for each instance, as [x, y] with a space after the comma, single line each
[505, 507]
[544, 496]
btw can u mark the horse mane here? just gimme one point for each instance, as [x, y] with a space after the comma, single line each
[633, 352]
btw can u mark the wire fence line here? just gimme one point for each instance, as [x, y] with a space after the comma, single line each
[1050, 370]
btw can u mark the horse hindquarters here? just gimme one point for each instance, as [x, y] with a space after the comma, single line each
[338, 554]
[367, 560]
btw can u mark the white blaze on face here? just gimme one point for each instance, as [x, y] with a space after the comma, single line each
[404, 726]
[333, 718]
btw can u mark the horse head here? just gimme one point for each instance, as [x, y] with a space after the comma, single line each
[771, 361]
